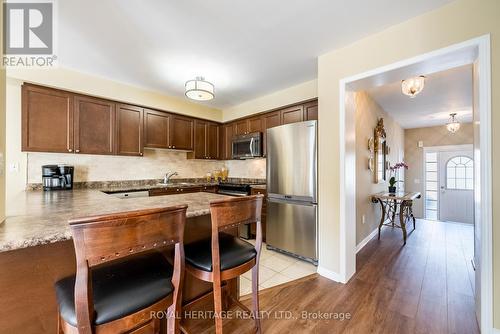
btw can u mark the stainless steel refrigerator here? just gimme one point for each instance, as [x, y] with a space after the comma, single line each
[292, 209]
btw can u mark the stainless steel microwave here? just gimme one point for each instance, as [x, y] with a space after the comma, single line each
[247, 146]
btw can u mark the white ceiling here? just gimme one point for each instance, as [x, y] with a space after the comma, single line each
[445, 92]
[246, 48]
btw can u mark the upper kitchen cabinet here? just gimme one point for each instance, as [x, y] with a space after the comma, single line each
[47, 120]
[269, 120]
[241, 127]
[255, 124]
[311, 111]
[292, 114]
[156, 129]
[213, 141]
[94, 125]
[226, 139]
[206, 140]
[181, 133]
[129, 130]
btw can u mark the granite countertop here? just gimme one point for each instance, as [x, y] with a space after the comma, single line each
[125, 188]
[41, 217]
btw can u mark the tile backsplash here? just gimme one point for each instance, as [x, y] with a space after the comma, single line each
[153, 165]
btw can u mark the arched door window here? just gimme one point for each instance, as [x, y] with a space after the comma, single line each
[460, 173]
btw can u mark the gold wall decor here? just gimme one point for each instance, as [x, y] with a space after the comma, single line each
[380, 153]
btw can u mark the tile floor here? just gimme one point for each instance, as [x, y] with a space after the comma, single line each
[275, 268]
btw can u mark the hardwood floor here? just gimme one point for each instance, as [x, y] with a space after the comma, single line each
[424, 287]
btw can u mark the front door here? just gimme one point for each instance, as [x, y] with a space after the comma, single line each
[456, 186]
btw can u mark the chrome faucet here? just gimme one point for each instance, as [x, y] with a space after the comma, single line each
[168, 176]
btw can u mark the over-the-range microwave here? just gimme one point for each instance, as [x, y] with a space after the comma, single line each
[247, 146]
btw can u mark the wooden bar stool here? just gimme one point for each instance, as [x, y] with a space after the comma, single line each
[122, 279]
[223, 257]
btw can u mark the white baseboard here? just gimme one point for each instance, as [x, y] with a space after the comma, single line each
[330, 275]
[366, 240]
[496, 331]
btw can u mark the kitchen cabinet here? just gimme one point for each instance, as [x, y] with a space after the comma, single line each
[258, 191]
[213, 141]
[256, 124]
[311, 111]
[227, 133]
[241, 127]
[181, 133]
[129, 130]
[94, 125]
[270, 120]
[156, 129]
[182, 190]
[206, 140]
[292, 114]
[47, 120]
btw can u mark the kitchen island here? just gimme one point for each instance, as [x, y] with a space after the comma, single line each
[36, 248]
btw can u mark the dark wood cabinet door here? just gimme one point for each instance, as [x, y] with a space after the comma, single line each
[212, 144]
[227, 147]
[311, 111]
[241, 127]
[156, 129]
[200, 140]
[129, 130]
[182, 133]
[94, 125]
[256, 124]
[292, 114]
[269, 120]
[47, 120]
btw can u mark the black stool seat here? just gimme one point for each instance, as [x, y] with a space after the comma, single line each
[233, 252]
[120, 289]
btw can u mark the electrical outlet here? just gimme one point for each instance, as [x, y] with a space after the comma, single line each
[363, 219]
[14, 167]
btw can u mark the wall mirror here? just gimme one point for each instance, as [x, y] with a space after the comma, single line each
[380, 153]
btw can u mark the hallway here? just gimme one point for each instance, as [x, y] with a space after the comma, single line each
[424, 287]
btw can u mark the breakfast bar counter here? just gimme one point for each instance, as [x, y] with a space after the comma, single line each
[36, 249]
[40, 217]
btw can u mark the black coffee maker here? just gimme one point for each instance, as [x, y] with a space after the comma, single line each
[57, 177]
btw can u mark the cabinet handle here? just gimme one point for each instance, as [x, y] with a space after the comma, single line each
[178, 189]
[169, 146]
[141, 153]
[182, 189]
[77, 151]
[70, 150]
[173, 146]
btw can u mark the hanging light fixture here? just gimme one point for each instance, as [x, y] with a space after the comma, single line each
[453, 125]
[413, 86]
[199, 89]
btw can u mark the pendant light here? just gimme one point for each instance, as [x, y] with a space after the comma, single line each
[413, 86]
[199, 89]
[453, 125]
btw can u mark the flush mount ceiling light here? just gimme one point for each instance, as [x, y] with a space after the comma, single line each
[453, 125]
[413, 86]
[199, 89]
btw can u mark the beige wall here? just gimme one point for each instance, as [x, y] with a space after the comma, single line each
[367, 114]
[454, 23]
[414, 155]
[304, 91]
[2, 128]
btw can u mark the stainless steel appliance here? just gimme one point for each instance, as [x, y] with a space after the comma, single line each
[57, 177]
[292, 210]
[247, 146]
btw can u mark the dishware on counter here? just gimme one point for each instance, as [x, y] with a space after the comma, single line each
[224, 173]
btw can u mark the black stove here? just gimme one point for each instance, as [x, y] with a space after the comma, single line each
[234, 189]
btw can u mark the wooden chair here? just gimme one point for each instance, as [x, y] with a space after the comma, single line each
[223, 257]
[122, 279]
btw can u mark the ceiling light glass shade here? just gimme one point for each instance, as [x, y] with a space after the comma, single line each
[453, 125]
[199, 89]
[413, 86]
